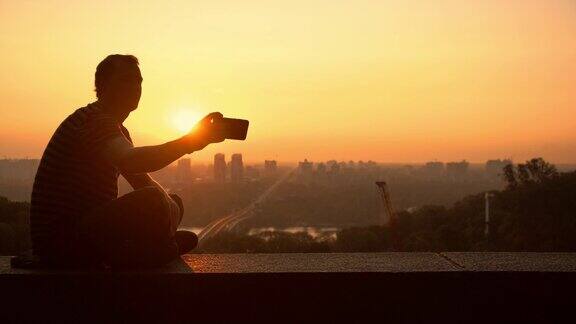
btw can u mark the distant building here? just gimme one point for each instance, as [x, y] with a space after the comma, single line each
[433, 169]
[305, 167]
[236, 168]
[270, 167]
[183, 171]
[219, 168]
[329, 163]
[494, 167]
[334, 166]
[321, 168]
[371, 164]
[456, 170]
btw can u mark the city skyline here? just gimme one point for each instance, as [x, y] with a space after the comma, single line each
[251, 161]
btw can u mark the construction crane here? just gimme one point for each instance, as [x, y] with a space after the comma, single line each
[388, 217]
[487, 197]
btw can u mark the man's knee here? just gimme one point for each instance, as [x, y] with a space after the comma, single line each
[165, 207]
[156, 202]
[152, 194]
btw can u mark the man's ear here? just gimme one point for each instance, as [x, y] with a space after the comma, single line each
[102, 89]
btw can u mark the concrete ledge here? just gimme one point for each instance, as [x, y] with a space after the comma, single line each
[319, 262]
[399, 287]
[513, 262]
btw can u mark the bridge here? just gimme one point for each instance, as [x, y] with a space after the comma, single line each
[230, 221]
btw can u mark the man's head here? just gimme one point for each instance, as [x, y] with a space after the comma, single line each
[118, 82]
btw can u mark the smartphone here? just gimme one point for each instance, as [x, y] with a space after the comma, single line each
[234, 128]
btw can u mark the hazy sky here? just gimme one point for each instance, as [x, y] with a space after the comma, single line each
[391, 81]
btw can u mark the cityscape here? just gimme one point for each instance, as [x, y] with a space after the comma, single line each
[17, 175]
[316, 196]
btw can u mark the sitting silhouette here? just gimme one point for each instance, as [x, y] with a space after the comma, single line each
[77, 218]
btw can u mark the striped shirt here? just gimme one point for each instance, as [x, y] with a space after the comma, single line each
[72, 177]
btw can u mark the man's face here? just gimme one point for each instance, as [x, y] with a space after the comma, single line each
[125, 87]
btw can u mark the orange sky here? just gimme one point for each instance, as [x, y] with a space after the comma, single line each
[391, 81]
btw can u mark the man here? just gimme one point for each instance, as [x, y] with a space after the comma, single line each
[76, 217]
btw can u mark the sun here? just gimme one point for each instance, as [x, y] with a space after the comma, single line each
[184, 119]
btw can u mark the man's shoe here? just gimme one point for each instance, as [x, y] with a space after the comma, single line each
[186, 241]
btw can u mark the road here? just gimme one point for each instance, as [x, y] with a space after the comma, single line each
[230, 221]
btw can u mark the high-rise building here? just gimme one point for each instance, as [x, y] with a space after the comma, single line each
[183, 171]
[219, 168]
[305, 167]
[433, 169]
[321, 168]
[270, 167]
[457, 170]
[333, 166]
[236, 168]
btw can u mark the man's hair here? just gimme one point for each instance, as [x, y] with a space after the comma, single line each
[108, 67]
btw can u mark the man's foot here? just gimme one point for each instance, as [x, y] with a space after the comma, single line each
[186, 241]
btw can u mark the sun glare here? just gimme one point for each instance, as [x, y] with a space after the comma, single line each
[184, 119]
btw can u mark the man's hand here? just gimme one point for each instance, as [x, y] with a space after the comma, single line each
[206, 131]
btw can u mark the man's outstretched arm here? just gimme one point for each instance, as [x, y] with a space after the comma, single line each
[134, 160]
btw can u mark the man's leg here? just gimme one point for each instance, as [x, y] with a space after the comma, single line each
[177, 220]
[186, 240]
[136, 229]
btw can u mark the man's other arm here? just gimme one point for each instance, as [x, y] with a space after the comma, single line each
[141, 180]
